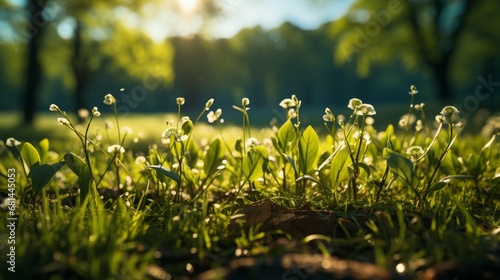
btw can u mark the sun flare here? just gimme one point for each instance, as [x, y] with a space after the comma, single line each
[187, 7]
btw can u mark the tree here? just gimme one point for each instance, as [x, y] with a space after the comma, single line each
[36, 26]
[87, 17]
[432, 33]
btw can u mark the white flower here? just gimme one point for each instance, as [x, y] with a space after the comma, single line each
[212, 117]
[419, 106]
[365, 110]
[180, 101]
[449, 111]
[12, 142]
[354, 103]
[440, 119]
[96, 112]
[448, 115]
[53, 108]
[209, 104]
[245, 102]
[170, 131]
[109, 99]
[291, 114]
[62, 121]
[287, 103]
[252, 142]
[116, 149]
[296, 101]
[413, 90]
[328, 116]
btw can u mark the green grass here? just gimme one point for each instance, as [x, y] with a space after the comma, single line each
[405, 199]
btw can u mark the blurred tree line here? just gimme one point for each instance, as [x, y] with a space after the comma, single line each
[379, 50]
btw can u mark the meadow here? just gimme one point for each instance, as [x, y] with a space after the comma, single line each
[175, 197]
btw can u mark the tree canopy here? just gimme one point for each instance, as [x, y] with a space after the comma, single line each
[450, 38]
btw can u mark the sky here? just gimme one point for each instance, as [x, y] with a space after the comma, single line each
[238, 14]
[270, 14]
[160, 21]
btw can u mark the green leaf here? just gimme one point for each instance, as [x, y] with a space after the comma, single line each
[497, 174]
[254, 163]
[439, 185]
[292, 163]
[192, 154]
[308, 150]
[168, 173]
[30, 156]
[187, 127]
[81, 169]
[42, 175]
[364, 166]
[287, 136]
[401, 166]
[214, 157]
[44, 150]
[310, 178]
[238, 145]
[338, 169]
[444, 181]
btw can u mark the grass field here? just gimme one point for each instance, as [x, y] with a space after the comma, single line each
[341, 198]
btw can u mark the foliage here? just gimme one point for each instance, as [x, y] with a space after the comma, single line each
[414, 193]
[447, 43]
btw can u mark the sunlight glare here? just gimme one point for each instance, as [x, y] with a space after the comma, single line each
[187, 6]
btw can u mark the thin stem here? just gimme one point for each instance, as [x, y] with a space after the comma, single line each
[451, 139]
[407, 126]
[117, 123]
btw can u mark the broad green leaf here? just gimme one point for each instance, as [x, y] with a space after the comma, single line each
[30, 156]
[81, 169]
[168, 173]
[44, 150]
[42, 175]
[214, 157]
[338, 169]
[287, 136]
[254, 163]
[192, 154]
[401, 166]
[308, 150]
[187, 127]
[238, 145]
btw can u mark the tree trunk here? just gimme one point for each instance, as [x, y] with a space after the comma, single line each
[34, 70]
[78, 65]
[442, 78]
